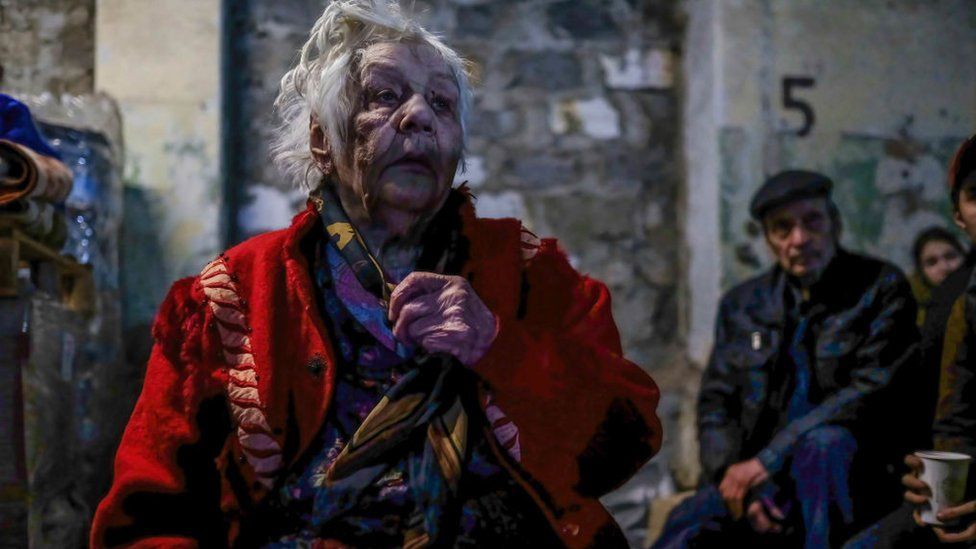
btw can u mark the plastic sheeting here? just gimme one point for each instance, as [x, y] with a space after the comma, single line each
[71, 365]
[58, 511]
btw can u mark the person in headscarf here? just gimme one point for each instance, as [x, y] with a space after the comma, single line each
[391, 370]
[948, 349]
[937, 254]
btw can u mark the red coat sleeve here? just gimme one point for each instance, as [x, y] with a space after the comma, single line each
[165, 492]
[586, 415]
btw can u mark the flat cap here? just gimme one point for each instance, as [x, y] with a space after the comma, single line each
[787, 186]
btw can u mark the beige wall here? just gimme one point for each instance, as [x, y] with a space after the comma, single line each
[894, 93]
[161, 61]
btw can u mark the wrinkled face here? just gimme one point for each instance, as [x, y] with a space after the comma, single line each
[938, 260]
[802, 237]
[965, 213]
[407, 134]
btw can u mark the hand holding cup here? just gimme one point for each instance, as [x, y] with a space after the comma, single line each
[938, 483]
[916, 492]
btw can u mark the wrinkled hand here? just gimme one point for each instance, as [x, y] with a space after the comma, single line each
[738, 479]
[442, 313]
[760, 520]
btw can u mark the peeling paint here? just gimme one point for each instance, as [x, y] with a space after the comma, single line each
[639, 69]
[594, 117]
[504, 204]
[267, 209]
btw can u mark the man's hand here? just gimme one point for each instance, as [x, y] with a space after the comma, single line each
[760, 520]
[442, 313]
[739, 478]
[952, 513]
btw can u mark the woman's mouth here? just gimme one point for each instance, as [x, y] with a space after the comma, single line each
[417, 165]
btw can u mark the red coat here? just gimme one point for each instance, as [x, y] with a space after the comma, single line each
[242, 357]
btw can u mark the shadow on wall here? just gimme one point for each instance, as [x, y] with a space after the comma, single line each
[144, 280]
[144, 276]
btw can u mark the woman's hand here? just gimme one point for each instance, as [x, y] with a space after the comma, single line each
[952, 513]
[917, 492]
[442, 313]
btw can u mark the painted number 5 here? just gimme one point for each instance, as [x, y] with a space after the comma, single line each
[790, 84]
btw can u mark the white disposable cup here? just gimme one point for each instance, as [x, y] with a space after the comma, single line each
[945, 473]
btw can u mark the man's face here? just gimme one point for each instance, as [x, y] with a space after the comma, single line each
[406, 132]
[965, 213]
[801, 236]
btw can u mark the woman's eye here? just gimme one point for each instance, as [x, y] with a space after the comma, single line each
[440, 104]
[387, 96]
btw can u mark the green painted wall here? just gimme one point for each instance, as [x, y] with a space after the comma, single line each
[891, 90]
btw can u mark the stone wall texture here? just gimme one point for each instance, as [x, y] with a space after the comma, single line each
[47, 45]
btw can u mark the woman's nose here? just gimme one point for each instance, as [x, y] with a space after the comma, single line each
[417, 116]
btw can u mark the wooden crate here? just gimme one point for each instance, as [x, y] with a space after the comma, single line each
[60, 276]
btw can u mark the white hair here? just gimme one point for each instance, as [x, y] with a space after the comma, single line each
[325, 83]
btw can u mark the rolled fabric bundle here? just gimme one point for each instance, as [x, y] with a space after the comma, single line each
[38, 220]
[29, 174]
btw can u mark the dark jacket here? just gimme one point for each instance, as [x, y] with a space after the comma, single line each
[865, 333]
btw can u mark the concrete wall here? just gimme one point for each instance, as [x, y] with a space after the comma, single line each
[47, 46]
[892, 89]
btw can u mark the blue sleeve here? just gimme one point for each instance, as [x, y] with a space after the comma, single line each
[884, 351]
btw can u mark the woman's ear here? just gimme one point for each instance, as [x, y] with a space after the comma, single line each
[319, 147]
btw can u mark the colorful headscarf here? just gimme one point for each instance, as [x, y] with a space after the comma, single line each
[432, 399]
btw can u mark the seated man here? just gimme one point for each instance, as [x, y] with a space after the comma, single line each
[801, 370]
[947, 341]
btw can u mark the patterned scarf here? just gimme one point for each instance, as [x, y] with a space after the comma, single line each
[431, 400]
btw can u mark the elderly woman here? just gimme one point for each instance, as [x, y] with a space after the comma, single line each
[391, 370]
